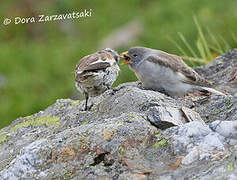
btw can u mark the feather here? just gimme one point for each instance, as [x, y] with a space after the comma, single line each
[177, 64]
[96, 61]
[214, 91]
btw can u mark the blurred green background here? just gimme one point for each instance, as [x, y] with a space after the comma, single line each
[37, 59]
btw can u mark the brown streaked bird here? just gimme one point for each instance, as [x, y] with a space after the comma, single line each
[95, 73]
[160, 71]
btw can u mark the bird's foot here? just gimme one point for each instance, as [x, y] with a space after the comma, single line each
[116, 89]
[88, 107]
[113, 90]
[140, 86]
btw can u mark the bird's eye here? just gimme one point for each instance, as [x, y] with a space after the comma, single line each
[134, 55]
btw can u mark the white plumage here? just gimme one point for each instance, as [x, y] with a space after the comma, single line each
[96, 73]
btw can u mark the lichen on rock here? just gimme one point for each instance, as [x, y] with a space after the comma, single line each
[36, 121]
[129, 133]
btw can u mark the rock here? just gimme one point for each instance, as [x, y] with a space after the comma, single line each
[222, 71]
[23, 166]
[227, 129]
[164, 117]
[129, 133]
[191, 157]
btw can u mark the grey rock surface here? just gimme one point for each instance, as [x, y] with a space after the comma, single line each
[129, 133]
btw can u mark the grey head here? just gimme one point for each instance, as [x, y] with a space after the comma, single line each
[113, 53]
[138, 55]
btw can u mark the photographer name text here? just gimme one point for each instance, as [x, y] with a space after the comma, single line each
[49, 18]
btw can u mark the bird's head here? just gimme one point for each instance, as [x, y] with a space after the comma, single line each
[113, 53]
[134, 56]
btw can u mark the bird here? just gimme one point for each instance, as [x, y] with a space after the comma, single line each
[164, 72]
[95, 73]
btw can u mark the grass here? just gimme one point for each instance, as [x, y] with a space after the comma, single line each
[207, 48]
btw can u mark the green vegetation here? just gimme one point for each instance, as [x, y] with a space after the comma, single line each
[157, 135]
[37, 60]
[207, 50]
[3, 137]
[75, 103]
[230, 166]
[31, 121]
[160, 143]
[122, 149]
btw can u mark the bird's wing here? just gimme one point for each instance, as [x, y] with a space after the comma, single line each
[177, 64]
[93, 62]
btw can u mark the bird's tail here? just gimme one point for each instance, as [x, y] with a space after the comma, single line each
[214, 91]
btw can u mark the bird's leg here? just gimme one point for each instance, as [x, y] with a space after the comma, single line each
[110, 88]
[87, 97]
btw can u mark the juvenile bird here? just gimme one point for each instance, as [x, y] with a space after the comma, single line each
[95, 73]
[160, 71]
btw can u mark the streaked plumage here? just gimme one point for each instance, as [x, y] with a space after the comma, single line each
[95, 73]
[160, 71]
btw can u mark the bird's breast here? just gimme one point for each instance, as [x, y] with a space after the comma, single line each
[150, 73]
[156, 77]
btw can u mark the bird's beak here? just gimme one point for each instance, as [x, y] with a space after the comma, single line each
[126, 57]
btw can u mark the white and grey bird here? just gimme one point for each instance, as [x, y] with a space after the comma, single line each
[95, 73]
[160, 71]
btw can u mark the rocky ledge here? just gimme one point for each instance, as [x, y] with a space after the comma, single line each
[130, 133]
